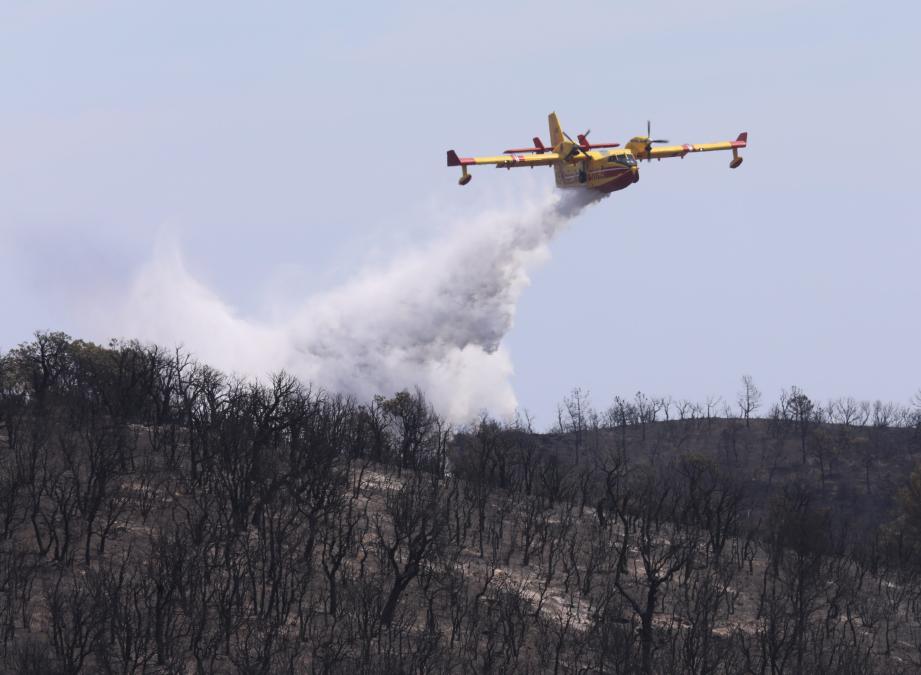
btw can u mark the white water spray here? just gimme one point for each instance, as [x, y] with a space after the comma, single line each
[433, 318]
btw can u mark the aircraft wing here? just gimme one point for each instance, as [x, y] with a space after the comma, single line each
[504, 161]
[663, 151]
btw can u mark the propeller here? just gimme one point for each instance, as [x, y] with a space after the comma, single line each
[578, 145]
[649, 133]
[583, 175]
[650, 140]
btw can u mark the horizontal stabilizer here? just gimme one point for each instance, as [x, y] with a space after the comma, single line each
[539, 148]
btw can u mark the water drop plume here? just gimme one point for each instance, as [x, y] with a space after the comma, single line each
[433, 317]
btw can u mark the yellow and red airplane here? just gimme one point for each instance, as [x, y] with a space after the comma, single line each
[592, 165]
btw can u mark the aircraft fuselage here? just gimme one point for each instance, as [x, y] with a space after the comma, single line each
[603, 171]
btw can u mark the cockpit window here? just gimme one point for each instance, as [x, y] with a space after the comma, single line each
[629, 160]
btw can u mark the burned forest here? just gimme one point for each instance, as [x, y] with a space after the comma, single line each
[160, 516]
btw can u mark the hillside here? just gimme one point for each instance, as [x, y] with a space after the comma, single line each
[158, 516]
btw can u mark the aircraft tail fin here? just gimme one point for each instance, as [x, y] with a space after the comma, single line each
[556, 131]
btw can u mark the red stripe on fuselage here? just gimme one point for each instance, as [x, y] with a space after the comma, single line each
[624, 179]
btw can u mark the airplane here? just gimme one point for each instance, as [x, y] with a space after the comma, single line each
[593, 165]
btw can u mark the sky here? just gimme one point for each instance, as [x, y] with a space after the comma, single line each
[283, 150]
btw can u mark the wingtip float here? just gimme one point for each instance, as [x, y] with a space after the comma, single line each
[598, 166]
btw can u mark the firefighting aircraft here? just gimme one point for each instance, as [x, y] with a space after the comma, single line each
[593, 165]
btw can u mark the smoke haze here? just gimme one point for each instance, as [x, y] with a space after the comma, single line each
[433, 317]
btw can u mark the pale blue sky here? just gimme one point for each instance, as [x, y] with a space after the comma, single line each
[288, 144]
